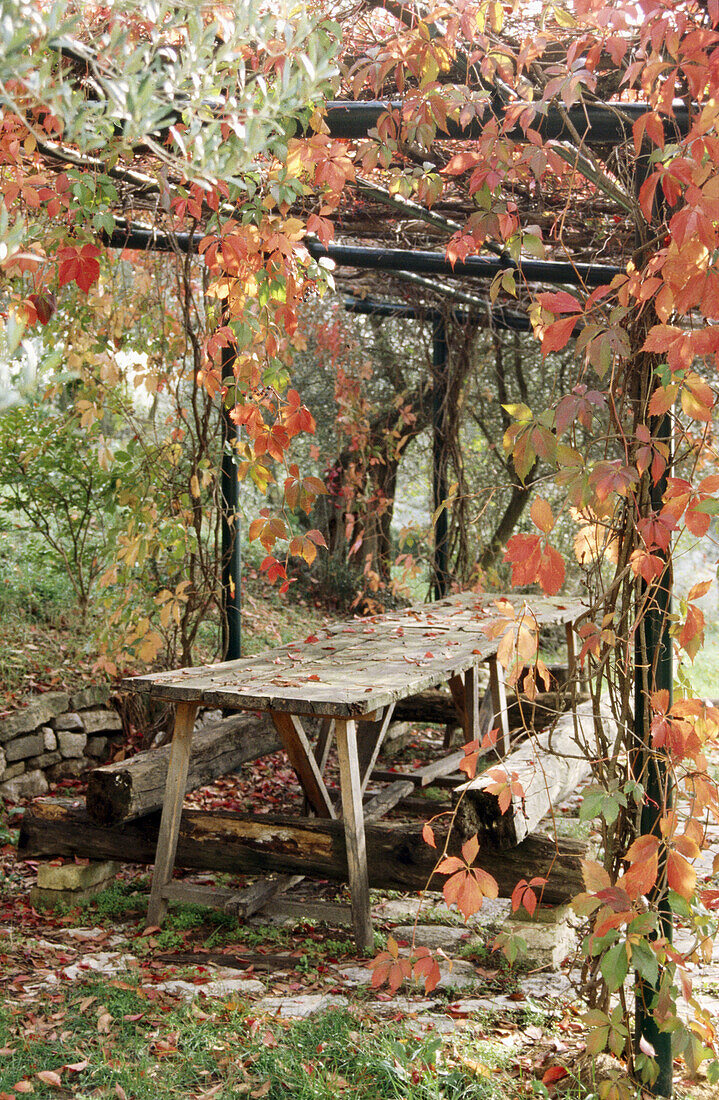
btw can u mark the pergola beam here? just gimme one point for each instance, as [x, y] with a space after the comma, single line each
[506, 320]
[596, 123]
[396, 259]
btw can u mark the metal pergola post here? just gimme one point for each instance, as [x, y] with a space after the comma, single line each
[653, 771]
[231, 544]
[440, 489]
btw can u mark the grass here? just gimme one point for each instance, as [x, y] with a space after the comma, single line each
[114, 1038]
[196, 925]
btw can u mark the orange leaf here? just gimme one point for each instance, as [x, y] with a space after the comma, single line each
[594, 875]
[427, 967]
[681, 876]
[470, 849]
[49, 1077]
[553, 1074]
[551, 571]
[542, 515]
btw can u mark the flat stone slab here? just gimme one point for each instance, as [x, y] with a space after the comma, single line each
[460, 975]
[93, 696]
[102, 962]
[469, 1007]
[69, 721]
[431, 1023]
[450, 939]
[550, 984]
[220, 987]
[72, 744]
[300, 1006]
[433, 907]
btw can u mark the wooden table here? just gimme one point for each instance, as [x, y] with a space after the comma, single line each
[351, 676]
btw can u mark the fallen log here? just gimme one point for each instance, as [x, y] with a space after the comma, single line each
[131, 788]
[397, 857]
[548, 768]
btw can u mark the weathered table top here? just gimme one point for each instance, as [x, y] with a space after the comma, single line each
[355, 668]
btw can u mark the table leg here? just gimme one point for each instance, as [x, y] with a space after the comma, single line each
[471, 702]
[499, 700]
[353, 817]
[171, 810]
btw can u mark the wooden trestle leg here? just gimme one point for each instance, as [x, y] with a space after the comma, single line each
[171, 810]
[353, 818]
[499, 701]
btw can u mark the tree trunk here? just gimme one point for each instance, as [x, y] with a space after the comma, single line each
[398, 858]
[549, 769]
[132, 788]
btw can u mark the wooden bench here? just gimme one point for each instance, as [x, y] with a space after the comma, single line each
[351, 677]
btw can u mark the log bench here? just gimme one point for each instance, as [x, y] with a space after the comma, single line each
[351, 677]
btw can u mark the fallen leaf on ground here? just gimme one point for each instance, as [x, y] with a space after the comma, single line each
[49, 1077]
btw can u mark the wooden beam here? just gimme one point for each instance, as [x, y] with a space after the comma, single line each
[387, 799]
[369, 743]
[171, 809]
[353, 820]
[302, 758]
[499, 701]
[398, 858]
[132, 788]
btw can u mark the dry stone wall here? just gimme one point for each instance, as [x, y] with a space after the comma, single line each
[57, 735]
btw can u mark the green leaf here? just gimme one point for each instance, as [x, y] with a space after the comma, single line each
[597, 1040]
[615, 966]
[679, 905]
[645, 962]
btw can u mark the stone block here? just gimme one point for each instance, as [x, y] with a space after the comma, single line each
[23, 747]
[13, 770]
[28, 785]
[101, 721]
[45, 760]
[49, 739]
[550, 936]
[40, 711]
[93, 696]
[97, 747]
[3, 762]
[66, 769]
[71, 744]
[75, 876]
[69, 721]
[71, 883]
